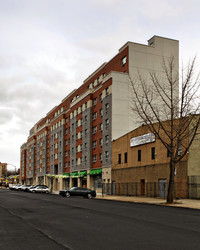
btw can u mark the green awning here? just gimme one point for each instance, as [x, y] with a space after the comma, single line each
[95, 171]
[65, 175]
[82, 173]
[74, 174]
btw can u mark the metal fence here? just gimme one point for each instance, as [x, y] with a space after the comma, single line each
[150, 189]
[194, 187]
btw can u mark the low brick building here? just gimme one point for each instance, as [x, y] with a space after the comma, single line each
[140, 166]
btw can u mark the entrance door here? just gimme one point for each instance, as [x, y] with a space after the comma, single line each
[113, 187]
[95, 185]
[75, 182]
[162, 187]
[142, 187]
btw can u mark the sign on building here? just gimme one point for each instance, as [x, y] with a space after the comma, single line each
[142, 139]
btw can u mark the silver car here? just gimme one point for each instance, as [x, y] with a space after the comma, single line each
[40, 189]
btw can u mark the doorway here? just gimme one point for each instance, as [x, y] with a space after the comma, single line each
[143, 187]
[162, 187]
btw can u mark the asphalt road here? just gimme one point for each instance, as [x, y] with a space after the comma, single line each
[41, 221]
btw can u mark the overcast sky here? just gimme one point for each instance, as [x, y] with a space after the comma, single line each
[48, 47]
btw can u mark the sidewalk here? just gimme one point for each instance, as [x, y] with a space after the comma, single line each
[185, 203]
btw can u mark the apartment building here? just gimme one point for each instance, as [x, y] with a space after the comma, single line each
[3, 170]
[72, 144]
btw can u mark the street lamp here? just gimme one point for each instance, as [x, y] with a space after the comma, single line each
[15, 171]
[13, 166]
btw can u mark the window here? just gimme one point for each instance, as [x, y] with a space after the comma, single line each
[106, 91]
[94, 130]
[72, 126]
[119, 158]
[66, 120]
[168, 153]
[100, 156]
[76, 124]
[101, 112]
[85, 118]
[106, 155]
[66, 131]
[101, 97]
[95, 116]
[66, 153]
[72, 138]
[95, 101]
[94, 158]
[72, 162]
[98, 81]
[85, 159]
[76, 136]
[107, 123]
[76, 149]
[86, 132]
[139, 155]
[66, 164]
[86, 105]
[180, 149]
[85, 145]
[153, 153]
[123, 60]
[107, 107]
[94, 144]
[125, 157]
[107, 139]
[101, 142]
[101, 126]
[104, 75]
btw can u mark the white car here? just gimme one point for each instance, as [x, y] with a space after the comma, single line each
[40, 189]
[17, 187]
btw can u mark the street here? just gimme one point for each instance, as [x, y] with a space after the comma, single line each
[46, 221]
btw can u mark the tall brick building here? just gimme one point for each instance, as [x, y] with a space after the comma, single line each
[72, 144]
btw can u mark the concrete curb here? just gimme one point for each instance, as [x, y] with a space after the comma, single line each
[182, 203]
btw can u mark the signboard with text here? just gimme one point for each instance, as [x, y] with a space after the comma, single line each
[142, 139]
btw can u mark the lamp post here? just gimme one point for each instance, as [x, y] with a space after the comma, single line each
[15, 170]
[13, 166]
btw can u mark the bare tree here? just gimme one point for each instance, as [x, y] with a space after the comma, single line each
[169, 105]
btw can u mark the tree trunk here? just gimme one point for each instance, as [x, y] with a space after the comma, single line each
[170, 194]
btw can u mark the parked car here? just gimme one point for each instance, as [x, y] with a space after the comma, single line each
[40, 189]
[12, 186]
[25, 188]
[78, 191]
[17, 187]
[34, 186]
[31, 187]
